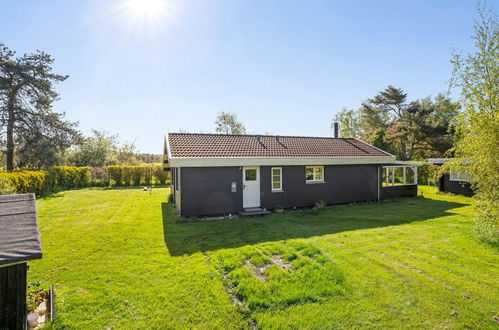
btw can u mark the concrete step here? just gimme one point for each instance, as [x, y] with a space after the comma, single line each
[254, 211]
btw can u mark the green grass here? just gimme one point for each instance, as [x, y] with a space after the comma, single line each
[118, 258]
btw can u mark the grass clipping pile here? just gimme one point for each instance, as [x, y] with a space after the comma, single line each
[277, 275]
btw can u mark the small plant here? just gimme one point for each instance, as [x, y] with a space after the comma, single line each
[279, 209]
[320, 205]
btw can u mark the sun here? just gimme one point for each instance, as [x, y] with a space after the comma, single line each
[150, 8]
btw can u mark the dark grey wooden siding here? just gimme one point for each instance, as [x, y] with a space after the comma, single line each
[390, 192]
[13, 297]
[207, 190]
[455, 187]
[343, 184]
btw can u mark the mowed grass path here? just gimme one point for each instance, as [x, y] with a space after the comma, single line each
[118, 258]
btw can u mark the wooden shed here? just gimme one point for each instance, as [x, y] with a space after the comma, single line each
[19, 243]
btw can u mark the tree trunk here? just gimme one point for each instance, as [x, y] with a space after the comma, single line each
[403, 150]
[10, 130]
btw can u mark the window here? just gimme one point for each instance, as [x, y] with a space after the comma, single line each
[314, 174]
[276, 178]
[250, 174]
[459, 176]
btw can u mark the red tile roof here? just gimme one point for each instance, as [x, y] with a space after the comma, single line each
[221, 145]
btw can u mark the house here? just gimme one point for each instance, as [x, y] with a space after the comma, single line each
[19, 243]
[217, 174]
[453, 182]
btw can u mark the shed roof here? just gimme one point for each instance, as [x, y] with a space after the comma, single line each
[189, 145]
[19, 235]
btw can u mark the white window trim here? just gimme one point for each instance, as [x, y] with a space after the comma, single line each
[314, 173]
[390, 176]
[272, 179]
[456, 176]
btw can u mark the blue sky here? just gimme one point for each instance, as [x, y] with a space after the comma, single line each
[284, 67]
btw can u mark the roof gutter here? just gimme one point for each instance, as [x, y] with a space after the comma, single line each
[276, 161]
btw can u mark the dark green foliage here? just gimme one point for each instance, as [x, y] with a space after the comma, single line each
[27, 92]
[378, 140]
[409, 130]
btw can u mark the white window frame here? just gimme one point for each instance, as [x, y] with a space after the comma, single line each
[272, 179]
[456, 176]
[390, 176]
[315, 173]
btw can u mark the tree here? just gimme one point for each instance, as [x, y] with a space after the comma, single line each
[477, 148]
[378, 140]
[349, 122]
[26, 96]
[385, 112]
[410, 128]
[227, 123]
[127, 154]
[99, 149]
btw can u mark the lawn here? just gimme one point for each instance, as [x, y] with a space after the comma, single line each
[118, 258]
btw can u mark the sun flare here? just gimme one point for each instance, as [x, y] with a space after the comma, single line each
[146, 7]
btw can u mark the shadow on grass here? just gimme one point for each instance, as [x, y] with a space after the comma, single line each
[182, 237]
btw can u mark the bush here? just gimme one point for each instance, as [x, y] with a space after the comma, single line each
[127, 174]
[427, 172]
[22, 182]
[137, 175]
[100, 176]
[6, 188]
[69, 177]
[148, 174]
[116, 174]
[160, 175]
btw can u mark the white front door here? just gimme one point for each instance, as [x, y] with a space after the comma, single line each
[251, 187]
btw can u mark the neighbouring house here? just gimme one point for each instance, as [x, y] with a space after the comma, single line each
[453, 182]
[215, 174]
[19, 243]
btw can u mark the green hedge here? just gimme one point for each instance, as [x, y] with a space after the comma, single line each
[136, 175]
[23, 182]
[66, 177]
[69, 177]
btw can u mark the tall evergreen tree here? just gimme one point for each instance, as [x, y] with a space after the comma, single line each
[26, 96]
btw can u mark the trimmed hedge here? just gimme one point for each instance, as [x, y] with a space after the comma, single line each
[67, 177]
[136, 175]
[21, 182]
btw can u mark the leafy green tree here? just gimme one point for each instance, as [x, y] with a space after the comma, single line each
[227, 123]
[127, 154]
[378, 140]
[99, 149]
[349, 123]
[26, 96]
[477, 148]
